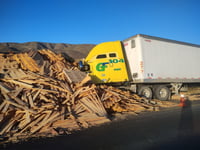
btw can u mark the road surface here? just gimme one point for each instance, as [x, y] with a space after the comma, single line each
[172, 128]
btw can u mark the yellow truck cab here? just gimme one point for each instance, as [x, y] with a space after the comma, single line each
[106, 63]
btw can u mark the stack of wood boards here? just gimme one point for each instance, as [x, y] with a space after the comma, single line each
[37, 98]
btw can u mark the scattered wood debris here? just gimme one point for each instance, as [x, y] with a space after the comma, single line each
[39, 98]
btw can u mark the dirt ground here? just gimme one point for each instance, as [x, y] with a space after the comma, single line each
[192, 94]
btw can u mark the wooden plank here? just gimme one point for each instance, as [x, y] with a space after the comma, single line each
[78, 108]
[75, 76]
[68, 123]
[65, 86]
[91, 107]
[19, 101]
[4, 88]
[17, 91]
[25, 120]
[85, 80]
[42, 97]
[66, 75]
[19, 106]
[45, 90]
[31, 124]
[97, 100]
[46, 120]
[7, 127]
[5, 108]
[2, 105]
[41, 123]
[68, 98]
[23, 84]
[36, 95]
[26, 62]
[54, 86]
[16, 74]
[30, 99]
[10, 124]
[52, 83]
[63, 113]
[85, 90]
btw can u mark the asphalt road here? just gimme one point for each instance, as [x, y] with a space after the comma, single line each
[173, 128]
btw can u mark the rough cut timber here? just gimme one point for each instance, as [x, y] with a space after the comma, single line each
[74, 76]
[39, 97]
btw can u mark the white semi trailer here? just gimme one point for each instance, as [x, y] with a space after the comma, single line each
[150, 66]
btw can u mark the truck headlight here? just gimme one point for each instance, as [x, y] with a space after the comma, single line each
[83, 67]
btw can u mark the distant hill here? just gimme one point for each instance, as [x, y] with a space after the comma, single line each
[75, 51]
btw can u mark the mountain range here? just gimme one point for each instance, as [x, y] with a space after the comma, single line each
[76, 51]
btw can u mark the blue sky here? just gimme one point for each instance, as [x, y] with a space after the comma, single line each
[96, 21]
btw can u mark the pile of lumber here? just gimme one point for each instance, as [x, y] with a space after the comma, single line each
[37, 97]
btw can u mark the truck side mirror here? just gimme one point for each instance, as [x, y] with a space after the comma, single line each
[80, 64]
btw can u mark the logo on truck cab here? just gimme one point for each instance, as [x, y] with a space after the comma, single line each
[103, 66]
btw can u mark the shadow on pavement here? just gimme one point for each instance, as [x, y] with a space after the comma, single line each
[186, 139]
[186, 124]
[186, 143]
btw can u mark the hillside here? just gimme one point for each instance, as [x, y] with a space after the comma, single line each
[75, 51]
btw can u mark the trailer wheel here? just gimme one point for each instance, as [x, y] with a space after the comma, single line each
[162, 92]
[145, 91]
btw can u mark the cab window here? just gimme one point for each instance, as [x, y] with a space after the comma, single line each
[132, 43]
[112, 55]
[101, 56]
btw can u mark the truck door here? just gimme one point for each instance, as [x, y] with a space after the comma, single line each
[100, 67]
[107, 68]
[117, 70]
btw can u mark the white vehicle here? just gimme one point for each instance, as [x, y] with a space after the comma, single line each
[150, 66]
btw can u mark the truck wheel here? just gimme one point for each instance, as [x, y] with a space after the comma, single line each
[145, 91]
[162, 93]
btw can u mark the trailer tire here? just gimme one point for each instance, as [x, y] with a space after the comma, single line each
[162, 92]
[145, 91]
